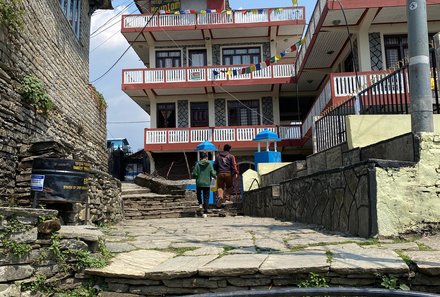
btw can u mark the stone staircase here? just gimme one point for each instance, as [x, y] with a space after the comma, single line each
[140, 203]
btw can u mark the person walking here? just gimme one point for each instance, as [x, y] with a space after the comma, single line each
[226, 168]
[203, 172]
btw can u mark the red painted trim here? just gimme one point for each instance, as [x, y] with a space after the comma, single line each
[190, 146]
[203, 84]
[324, 11]
[212, 26]
[355, 4]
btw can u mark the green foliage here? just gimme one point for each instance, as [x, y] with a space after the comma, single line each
[86, 260]
[34, 92]
[404, 257]
[81, 259]
[392, 283]
[100, 100]
[17, 249]
[329, 255]
[44, 218]
[11, 15]
[12, 226]
[103, 250]
[314, 281]
[423, 247]
[85, 291]
[39, 285]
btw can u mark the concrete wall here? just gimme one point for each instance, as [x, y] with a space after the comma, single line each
[48, 48]
[408, 197]
[282, 174]
[363, 130]
[399, 148]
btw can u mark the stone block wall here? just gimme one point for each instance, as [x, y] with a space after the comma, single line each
[373, 197]
[31, 255]
[336, 199]
[47, 48]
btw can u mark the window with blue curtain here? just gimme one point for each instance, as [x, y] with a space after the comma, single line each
[72, 11]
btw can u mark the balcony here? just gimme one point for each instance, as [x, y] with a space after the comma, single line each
[196, 79]
[339, 88]
[231, 19]
[240, 137]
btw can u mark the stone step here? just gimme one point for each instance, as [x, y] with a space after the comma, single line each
[135, 191]
[159, 201]
[151, 196]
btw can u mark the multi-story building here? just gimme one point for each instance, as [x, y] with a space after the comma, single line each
[192, 93]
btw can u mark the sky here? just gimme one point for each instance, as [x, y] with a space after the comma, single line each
[125, 119]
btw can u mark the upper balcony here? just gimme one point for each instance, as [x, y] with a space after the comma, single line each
[195, 80]
[290, 19]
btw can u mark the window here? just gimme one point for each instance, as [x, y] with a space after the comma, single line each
[197, 57]
[244, 113]
[396, 49]
[166, 115]
[72, 11]
[237, 56]
[199, 114]
[168, 59]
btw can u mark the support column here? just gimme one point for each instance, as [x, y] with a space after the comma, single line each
[419, 69]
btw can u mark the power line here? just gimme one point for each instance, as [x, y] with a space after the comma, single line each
[222, 88]
[112, 18]
[131, 44]
[118, 21]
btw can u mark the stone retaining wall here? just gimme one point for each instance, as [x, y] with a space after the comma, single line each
[374, 197]
[336, 199]
[47, 48]
[29, 252]
[199, 284]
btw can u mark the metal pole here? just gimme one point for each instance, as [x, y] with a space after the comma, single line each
[419, 76]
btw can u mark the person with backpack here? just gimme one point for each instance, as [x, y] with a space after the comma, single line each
[226, 168]
[203, 172]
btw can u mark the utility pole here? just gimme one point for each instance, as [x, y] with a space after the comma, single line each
[419, 74]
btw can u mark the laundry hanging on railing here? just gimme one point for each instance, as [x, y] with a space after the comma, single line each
[263, 64]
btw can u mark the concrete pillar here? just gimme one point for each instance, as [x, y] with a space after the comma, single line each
[364, 50]
[152, 54]
[364, 40]
[211, 112]
[276, 110]
[153, 114]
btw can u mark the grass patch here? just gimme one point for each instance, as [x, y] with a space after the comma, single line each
[329, 255]
[298, 248]
[314, 281]
[404, 257]
[423, 247]
[178, 251]
[370, 241]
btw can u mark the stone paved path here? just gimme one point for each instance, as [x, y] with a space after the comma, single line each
[173, 249]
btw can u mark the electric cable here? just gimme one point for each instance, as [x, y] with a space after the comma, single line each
[110, 26]
[112, 18]
[130, 45]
